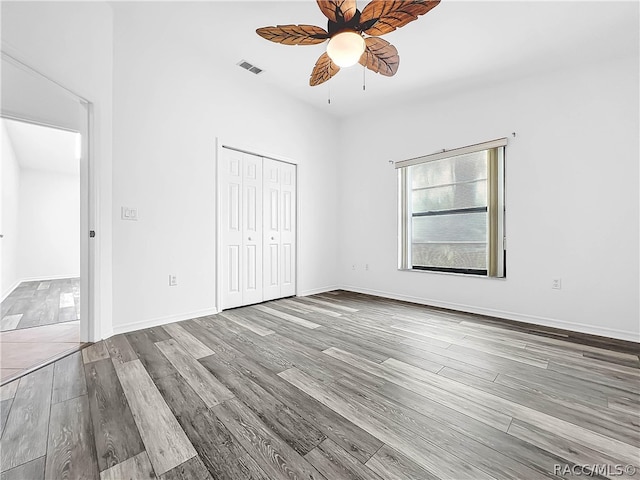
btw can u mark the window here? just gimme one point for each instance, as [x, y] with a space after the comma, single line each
[452, 211]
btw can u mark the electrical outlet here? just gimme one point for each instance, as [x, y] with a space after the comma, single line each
[556, 284]
[353, 267]
[366, 267]
[173, 280]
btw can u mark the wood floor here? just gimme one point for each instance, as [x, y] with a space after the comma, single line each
[38, 303]
[335, 386]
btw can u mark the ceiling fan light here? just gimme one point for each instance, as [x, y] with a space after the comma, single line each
[346, 48]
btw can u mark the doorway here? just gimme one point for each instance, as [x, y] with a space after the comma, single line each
[45, 253]
[257, 228]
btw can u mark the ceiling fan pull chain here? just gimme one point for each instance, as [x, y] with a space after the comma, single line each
[364, 78]
[329, 90]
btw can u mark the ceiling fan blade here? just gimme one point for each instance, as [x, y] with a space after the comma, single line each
[294, 34]
[338, 10]
[384, 16]
[323, 71]
[380, 57]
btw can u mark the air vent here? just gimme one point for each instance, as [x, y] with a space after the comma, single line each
[248, 66]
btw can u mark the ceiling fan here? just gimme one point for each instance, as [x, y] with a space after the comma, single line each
[346, 30]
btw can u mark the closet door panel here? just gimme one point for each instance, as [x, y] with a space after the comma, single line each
[230, 183]
[271, 231]
[233, 252]
[251, 274]
[288, 230]
[272, 276]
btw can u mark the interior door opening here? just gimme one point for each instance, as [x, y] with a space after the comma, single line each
[45, 214]
[41, 225]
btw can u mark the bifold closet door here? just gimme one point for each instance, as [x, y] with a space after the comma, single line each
[279, 232]
[241, 225]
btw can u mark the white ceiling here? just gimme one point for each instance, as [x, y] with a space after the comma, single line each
[43, 148]
[456, 46]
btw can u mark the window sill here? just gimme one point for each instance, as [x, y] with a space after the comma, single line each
[465, 275]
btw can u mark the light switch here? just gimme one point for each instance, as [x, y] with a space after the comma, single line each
[128, 213]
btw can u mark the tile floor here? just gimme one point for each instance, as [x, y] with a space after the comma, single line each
[38, 303]
[23, 350]
[39, 324]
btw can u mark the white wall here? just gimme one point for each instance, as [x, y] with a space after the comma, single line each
[170, 104]
[72, 43]
[572, 198]
[48, 225]
[10, 181]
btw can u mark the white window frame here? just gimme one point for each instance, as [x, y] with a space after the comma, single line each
[496, 239]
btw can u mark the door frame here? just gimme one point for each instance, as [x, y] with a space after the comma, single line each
[243, 148]
[89, 212]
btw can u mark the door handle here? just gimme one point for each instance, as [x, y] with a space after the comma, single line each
[272, 238]
[249, 238]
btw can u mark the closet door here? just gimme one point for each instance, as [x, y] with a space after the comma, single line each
[288, 230]
[279, 236]
[241, 228]
[251, 276]
[257, 228]
[271, 228]
[230, 184]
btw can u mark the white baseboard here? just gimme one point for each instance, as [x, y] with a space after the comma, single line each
[108, 333]
[155, 322]
[519, 317]
[49, 277]
[315, 291]
[11, 289]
